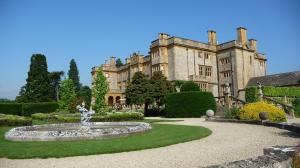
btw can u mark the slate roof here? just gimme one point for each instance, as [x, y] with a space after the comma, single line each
[282, 79]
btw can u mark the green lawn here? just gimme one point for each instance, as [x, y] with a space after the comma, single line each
[160, 135]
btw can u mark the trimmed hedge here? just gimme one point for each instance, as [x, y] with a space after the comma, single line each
[189, 86]
[189, 104]
[45, 107]
[26, 109]
[11, 108]
[251, 92]
[14, 120]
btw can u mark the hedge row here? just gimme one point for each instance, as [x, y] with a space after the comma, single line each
[95, 118]
[251, 92]
[189, 104]
[26, 109]
[14, 120]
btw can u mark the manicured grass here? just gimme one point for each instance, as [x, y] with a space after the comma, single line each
[160, 135]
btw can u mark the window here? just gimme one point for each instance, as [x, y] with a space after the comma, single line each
[155, 54]
[155, 68]
[206, 55]
[201, 69]
[250, 59]
[205, 70]
[208, 71]
[224, 61]
[203, 86]
[226, 74]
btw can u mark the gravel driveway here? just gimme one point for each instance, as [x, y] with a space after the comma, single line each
[228, 142]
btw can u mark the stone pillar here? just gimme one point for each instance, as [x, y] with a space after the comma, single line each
[227, 96]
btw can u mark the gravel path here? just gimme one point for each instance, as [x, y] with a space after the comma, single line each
[228, 142]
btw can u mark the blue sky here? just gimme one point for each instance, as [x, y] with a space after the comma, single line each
[91, 31]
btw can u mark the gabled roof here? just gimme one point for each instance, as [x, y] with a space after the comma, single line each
[282, 79]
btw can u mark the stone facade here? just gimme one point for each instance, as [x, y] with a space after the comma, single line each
[210, 64]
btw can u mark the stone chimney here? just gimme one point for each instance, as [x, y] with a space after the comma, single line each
[163, 36]
[242, 35]
[253, 44]
[212, 37]
[112, 60]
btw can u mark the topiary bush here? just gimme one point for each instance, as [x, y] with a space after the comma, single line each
[251, 112]
[189, 86]
[189, 104]
[14, 120]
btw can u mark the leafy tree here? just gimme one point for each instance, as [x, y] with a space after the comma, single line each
[86, 94]
[67, 94]
[99, 91]
[37, 87]
[55, 78]
[161, 87]
[74, 75]
[119, 62]
[139, 91]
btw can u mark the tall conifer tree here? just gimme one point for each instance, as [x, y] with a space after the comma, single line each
[37, 88]
[74, 75]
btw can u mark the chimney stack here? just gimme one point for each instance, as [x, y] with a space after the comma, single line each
[163, 36]
[242, 35]
[212, 37]
[253, 44]
[112, 60]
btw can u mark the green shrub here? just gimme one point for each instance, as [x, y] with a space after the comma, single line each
[251, 94]
[45, 107]
[11, 108]
[233, 112]
[251, 111]
[189, 86]
[43, 116]
[189, 104]
[154, 112]
[70, 119]
[14, 120]
[296, 104]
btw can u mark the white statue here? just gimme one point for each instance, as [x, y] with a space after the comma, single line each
[86, 115]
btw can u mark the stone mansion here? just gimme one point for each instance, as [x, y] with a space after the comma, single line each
[208, 64]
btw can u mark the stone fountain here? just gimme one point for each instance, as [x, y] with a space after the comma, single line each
[77, 131]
